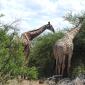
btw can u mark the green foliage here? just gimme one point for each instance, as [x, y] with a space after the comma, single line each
[1, 15]
[41, 55]
[71, 18]
[12, 57]
[77, 70]
[31, 73]
[74, 18]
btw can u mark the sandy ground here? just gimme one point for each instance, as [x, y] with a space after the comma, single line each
[24, 82]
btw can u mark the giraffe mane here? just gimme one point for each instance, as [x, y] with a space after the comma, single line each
[35, 29]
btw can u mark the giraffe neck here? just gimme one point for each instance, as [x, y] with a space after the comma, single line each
[37, 32]
[73, 32]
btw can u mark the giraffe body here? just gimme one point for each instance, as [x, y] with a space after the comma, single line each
[63, 50]
[27, 37]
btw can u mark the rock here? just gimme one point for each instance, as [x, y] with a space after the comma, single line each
[78, 81]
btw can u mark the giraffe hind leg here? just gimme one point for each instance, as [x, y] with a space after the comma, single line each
[69, 63]
[63, 65]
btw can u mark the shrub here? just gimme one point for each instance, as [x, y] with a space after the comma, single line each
[12, 57]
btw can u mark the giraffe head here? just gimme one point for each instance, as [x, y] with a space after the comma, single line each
[50, 27]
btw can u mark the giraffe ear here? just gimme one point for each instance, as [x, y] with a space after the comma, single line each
[48, 23]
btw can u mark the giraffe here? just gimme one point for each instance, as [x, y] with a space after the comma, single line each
[27, 37]
[63, 49]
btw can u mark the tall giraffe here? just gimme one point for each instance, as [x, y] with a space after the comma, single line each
[27, 37]
[63, 49]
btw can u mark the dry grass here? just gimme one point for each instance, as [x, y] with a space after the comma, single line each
[24, 82]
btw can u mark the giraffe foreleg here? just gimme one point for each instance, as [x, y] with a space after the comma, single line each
[59, 69]
[26, 52]
[58, 65]
[56, 58]
[69, 57]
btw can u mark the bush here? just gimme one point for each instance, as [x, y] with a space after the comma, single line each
[78, 70]
[12, 57]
